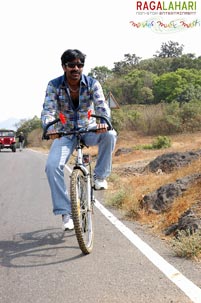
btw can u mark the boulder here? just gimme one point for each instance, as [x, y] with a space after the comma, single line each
[171, 161]
[188, 222]
[161, 199]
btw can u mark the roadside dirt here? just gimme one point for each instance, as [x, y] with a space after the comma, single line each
[129, 165]
[140, 158]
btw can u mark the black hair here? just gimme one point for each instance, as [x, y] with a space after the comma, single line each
[72, 54]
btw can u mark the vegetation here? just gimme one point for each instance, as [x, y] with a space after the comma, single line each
[158, 143]
[170, 76]
[159, 119]
[28, 126]
[187, 245]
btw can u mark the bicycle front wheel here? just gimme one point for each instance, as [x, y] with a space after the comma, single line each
[82, 210]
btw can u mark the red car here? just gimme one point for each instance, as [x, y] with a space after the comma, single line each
[7, 139]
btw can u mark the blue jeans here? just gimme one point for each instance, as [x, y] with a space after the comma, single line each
[59, 155]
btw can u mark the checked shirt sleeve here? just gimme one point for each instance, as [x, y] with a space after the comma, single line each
[100, 104]
[49, 111]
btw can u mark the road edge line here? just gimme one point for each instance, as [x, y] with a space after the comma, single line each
[187, 286]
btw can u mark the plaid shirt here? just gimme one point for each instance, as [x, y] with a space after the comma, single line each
[58, 100]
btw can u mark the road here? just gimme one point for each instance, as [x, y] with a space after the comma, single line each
[41, 263]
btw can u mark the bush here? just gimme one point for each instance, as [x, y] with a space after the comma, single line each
[187, 245]
[34, 139]
[117, 199]
[118, 120]
[161, 142]
[125, 118]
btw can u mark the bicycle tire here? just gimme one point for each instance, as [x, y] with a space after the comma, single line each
[82, 216]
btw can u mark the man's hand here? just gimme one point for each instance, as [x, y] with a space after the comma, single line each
[52, 134]
[101, 128]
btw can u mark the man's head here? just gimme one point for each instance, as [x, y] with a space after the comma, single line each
[72, 54]
[72, 62]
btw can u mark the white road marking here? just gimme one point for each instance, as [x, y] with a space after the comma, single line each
[188, 287]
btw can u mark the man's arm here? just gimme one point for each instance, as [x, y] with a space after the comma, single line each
[100, 105]
[49, 111]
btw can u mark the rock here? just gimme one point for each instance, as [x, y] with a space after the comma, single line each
[121, 151]
[162, 199]
[170, 161]
[188, 222]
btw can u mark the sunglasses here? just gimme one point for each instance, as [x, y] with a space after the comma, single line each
[73, 65]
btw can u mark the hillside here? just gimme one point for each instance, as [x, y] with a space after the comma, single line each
[131, 139]
[128, 183]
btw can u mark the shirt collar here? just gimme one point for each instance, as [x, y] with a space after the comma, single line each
[82, 80]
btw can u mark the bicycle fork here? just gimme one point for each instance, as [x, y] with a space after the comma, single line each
[88, 176]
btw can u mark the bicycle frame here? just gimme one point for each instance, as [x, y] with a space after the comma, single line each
[81, 187]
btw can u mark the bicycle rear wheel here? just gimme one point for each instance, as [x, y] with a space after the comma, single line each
[81, 212]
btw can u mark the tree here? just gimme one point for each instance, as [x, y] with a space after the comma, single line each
[191, 85]
[101, 73]
[156, 66]
[181, 86]
[139, 85]
[167, 87]
[131, 60]
[170, 50]
[115, 85]
[123, 67]
[146, 96]
[187, 61]
[27, 126]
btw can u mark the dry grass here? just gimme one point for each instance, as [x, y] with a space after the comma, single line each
[130, 139]
[136, 186]
[187, 245]
[161, 221]
[143, 184]
[126, 191]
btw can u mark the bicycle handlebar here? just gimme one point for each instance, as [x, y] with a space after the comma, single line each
[61, 133]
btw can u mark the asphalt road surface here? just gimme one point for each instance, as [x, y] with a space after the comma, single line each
[41, 263]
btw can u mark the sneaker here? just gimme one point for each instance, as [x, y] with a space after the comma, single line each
[67, 222]
[100, 183]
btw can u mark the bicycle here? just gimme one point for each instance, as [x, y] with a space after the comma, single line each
[81, 186]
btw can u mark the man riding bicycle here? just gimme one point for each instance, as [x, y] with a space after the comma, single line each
[74, 94]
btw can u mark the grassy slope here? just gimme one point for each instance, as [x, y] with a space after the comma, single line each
[137, 185]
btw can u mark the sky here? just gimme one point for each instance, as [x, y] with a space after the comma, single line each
[35, 33]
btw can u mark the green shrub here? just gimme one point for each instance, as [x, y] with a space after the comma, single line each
[159, 142]
[187, 244]
[117, 199]
[118, 119]
[162, 142]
